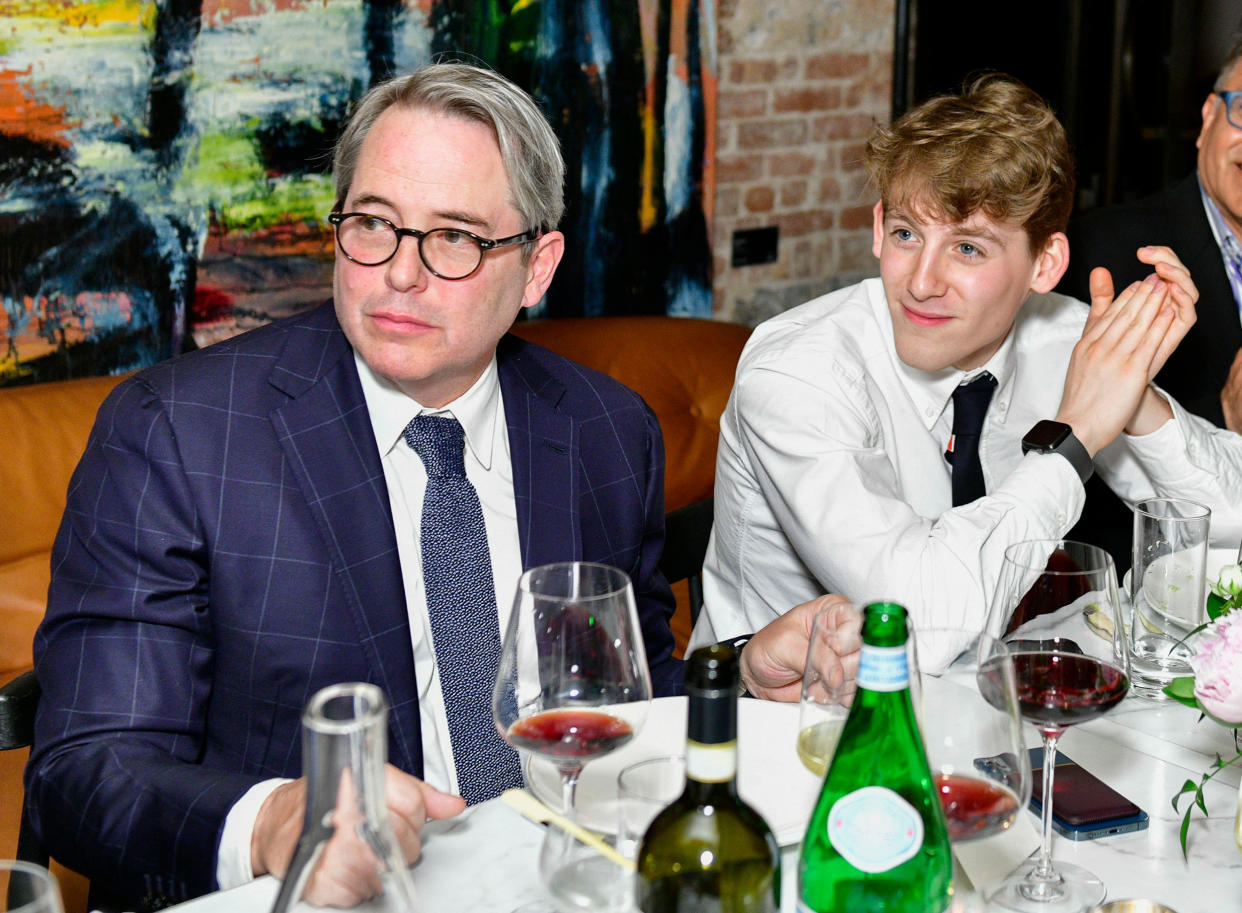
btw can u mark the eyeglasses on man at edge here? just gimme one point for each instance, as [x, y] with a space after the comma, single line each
[1233, 107]
[450, 253]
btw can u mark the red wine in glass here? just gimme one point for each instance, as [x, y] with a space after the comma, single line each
[1056, 690]
[974, 807]
[568, 733]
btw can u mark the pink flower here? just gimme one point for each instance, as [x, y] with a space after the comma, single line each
[1218, 668]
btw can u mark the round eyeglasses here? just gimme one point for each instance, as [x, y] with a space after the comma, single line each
[450, 253]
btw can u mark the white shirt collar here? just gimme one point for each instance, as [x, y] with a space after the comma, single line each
[391, 410]
[931, 391]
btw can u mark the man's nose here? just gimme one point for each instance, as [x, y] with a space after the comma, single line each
[406, 270]
[927, 280]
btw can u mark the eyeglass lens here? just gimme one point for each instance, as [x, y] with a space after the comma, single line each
[445, 251]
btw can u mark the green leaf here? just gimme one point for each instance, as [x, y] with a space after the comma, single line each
[1215, 606]
[1182, 690]
[1184, 832]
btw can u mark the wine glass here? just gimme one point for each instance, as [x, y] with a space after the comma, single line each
[827, 686]
[972, 729]
[1067, 641]
[572, 685]
[28, 888]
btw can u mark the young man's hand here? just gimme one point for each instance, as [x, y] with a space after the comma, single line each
[773, 659]
[1125, 343]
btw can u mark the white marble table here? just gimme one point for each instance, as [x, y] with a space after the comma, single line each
[487, 862]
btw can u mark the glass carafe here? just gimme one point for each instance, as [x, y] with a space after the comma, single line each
[344, 750]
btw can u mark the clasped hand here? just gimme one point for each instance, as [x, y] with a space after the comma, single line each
[1126, 341]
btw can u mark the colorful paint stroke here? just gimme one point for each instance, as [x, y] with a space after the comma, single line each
[164, 165]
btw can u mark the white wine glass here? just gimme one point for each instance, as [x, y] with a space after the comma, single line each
[28, 888]
[572, 685]
[827, 685]
[1059, 601]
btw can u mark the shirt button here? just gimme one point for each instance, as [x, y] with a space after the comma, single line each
[1002, 405]
[929, 412]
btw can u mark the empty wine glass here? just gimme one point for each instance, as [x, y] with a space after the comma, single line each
[1071, 665]
[572, 685]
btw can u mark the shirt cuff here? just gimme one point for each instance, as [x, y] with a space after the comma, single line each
[233, 857]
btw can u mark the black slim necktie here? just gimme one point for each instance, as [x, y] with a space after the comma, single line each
[970, 406]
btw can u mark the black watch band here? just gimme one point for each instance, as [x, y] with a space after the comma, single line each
[737, 643]
[1057, 437]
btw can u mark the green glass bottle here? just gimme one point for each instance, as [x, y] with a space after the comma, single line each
[877, 840]
[709, 850]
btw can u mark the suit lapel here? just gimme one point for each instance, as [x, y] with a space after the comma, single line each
[543, 447]
[1207, 268]
[326, 434]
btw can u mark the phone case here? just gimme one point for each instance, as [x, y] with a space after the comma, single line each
[1084, 807]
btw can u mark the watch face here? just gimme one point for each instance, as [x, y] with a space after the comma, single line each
[1046, 435]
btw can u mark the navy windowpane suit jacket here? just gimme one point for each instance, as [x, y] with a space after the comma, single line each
[228, 549]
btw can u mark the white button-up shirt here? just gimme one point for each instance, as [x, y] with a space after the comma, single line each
[831, 475]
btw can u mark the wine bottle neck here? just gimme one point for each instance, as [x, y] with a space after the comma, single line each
[711, 766]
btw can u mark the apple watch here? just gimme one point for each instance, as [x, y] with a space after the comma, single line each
[1057, 437]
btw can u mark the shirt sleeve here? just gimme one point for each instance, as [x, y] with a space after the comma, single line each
[1186, 457]
[233, 857]
[818, 451]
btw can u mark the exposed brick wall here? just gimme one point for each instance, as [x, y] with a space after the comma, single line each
[800, 84]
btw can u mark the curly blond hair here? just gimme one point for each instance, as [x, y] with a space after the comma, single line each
[997, 148]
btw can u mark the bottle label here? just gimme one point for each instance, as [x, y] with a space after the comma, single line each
[711, 763]
[883, 668]
[874, 829]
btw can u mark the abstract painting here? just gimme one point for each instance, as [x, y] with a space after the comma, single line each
[164, 166]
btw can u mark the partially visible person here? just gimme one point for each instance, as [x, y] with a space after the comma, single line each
[890, 440]
[346, 495]
[1199, 218]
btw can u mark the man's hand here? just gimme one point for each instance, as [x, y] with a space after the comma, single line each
[773, 660]
[1231, 395]
[347, 872]
[1126, 341]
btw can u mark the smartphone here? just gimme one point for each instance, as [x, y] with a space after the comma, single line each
[1084, 807]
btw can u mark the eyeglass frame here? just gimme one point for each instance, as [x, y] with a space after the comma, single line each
[335, 218]
[1227, 98]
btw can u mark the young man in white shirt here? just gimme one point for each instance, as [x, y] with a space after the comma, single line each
[834, 471]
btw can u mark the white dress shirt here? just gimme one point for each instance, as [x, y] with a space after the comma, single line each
[480, 410]
[831, 475]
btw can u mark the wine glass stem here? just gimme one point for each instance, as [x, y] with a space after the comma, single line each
[1043, 870]
[569, 790]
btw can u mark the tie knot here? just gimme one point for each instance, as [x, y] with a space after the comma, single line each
[440, 442]
[970, 404]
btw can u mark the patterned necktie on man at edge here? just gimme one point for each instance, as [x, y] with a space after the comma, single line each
[970, 407]
[461, 603]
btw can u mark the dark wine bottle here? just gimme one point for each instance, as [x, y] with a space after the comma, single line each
[877, 839]
[709, 850]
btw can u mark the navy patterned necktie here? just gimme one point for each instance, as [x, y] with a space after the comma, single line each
[461, 603]
[970, 407]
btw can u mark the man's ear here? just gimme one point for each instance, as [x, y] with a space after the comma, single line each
[1208, 114]
[877, 228]
[549, 249]
[1051, 263]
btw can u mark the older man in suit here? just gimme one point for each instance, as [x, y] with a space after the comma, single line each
[267, 516]
[1200, 219]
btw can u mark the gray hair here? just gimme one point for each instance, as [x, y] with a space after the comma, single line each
[528, 148]
[1232, 57]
